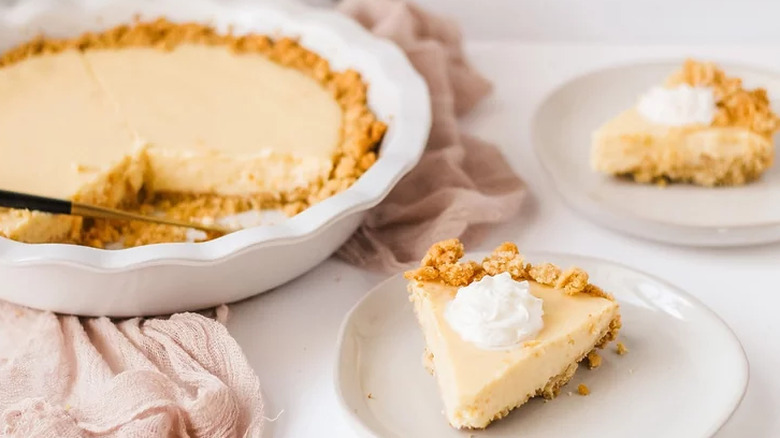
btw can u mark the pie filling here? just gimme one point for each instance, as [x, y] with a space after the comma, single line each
[478, 384]
[175, 119]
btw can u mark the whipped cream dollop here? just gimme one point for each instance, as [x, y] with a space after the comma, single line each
[678, 106]
[495, 312]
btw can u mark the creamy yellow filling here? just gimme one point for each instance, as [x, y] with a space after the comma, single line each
[97, 125]
[217, 122]
[58, 130]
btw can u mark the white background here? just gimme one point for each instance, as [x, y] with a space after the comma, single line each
[526, 48]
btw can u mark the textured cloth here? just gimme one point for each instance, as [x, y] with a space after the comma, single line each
[65, 377]
[461, 183]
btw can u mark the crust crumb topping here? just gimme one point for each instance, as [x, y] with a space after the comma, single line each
[505, 258]
[736, 106]
[573, 280]
[545, 273]
[459, 274]
[621, 348]
[446, 251]
[442, 263]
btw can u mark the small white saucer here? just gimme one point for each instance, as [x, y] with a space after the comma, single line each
[684, 375]
[679, 214]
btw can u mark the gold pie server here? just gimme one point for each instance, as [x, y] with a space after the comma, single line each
[9, 199]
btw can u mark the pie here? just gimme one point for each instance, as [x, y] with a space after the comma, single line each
[178, 119]
[701, 127]
[480, 384]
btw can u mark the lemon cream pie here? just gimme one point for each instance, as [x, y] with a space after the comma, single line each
[700, 127]
[503, 331]
[177, 119]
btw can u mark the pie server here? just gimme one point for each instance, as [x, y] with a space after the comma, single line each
[26, 201]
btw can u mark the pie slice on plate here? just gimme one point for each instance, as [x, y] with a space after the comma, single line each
[503, 331]
[700, 127]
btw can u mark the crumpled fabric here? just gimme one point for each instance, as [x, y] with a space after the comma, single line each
[461, 183]
[184, 376]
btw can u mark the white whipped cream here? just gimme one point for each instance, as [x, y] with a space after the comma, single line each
[678, 106]
[495, 312]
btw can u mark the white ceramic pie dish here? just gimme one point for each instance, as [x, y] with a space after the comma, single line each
[171, 277]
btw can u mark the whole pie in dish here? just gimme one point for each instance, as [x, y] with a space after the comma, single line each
[176, 119]
[503, 331]
[701, 127]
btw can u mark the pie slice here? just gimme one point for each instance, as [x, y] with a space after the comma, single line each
[700, 127]
[478, 383]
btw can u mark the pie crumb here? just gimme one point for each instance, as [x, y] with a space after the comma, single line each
[370, 396]
[594, 360]
[582, 389]
[621, 348]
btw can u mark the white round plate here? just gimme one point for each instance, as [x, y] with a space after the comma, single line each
[684, 375]
[679, 214]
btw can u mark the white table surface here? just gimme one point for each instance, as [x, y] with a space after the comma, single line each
[290, 334]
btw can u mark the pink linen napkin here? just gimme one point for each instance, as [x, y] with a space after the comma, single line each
[63, 376]
[460, 182]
